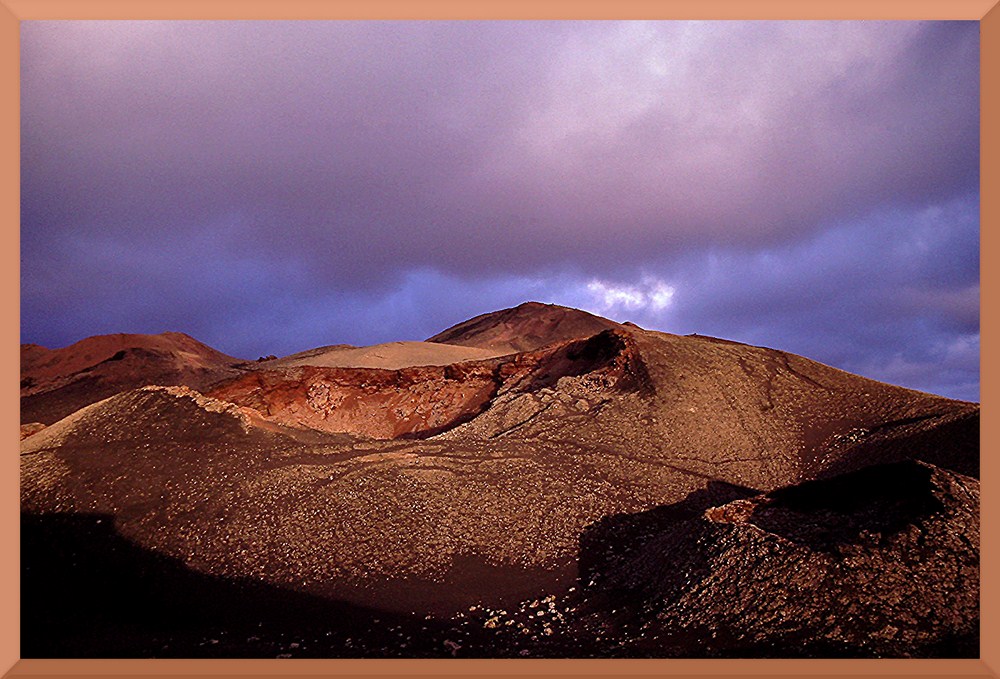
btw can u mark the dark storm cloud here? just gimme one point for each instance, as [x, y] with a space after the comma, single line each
[274, 186]
[894, 296]
[351, 147]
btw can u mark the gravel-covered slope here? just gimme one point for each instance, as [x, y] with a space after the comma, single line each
[880, 562]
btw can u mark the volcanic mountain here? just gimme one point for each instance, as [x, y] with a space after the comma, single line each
[525, 327]
[57, 382]
[535, 481]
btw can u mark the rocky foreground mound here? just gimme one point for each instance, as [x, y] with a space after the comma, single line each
[556, 501]
[879, 562]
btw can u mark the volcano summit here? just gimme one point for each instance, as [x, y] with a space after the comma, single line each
[536, 481]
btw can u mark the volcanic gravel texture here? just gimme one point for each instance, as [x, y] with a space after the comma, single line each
[879, 562]
[611, 494]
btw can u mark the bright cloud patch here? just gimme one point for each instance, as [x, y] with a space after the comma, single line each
[650, 293]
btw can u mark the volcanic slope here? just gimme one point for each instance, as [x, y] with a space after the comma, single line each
[57, 382]
[481, 497]
[698, 406]
[747, 415]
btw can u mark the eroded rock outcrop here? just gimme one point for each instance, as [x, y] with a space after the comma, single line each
[421, 401]
[30, 429]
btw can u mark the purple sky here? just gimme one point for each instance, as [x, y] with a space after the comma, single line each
[269, 187]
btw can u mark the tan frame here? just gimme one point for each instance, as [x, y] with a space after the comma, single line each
[14, 11]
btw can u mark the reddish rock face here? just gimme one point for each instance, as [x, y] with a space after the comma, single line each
[382, 404]
[422, 401]
[737, 511]
[31, 428]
